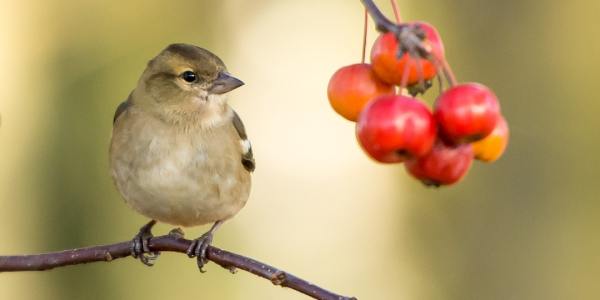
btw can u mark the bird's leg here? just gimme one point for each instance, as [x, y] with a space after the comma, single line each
[198, 247]
[139, 245]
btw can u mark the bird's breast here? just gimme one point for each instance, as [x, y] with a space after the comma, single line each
[182, 179]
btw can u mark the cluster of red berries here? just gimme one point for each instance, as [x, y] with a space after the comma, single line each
[437, 146]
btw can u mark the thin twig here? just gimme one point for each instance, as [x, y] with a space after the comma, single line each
[396, 11]
[166, 243]
[450, 77]
[382, 23]
[365, 30]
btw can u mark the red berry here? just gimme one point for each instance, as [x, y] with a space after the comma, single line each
[433, 40]
[352, 87]
[466, 113]
[444, 165]
[394, 128]
[384, 57]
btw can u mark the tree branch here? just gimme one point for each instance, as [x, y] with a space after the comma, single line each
[382, 23]
[166, 243]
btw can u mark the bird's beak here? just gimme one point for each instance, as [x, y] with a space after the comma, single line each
[224, 83]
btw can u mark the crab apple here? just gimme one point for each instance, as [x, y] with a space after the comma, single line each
[393, 128]
[492, 147]
[390, 68]
[444, 165]
[466, 113]
[352, 87]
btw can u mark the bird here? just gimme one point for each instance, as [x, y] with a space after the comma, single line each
[179, 154]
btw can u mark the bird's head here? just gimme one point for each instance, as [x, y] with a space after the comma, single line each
[186, 83]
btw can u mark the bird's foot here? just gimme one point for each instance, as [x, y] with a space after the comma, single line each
[198, 249]
[140, 248]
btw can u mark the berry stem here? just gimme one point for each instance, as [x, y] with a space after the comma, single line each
[442, 66]
[420, 72]
[365, 30]
[404, 81]
[440, 80]
[396, 11]
[448, 73]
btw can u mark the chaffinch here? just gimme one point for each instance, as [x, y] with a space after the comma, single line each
[179, 153]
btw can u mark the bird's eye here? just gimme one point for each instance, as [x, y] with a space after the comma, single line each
[189, 76]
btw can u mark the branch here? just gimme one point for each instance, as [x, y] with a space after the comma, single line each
[167, 243]
[382, 23]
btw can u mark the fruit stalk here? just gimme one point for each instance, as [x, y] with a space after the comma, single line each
[365, 30]
[396, 11]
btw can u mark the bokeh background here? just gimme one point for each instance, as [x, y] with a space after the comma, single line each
[523, 228]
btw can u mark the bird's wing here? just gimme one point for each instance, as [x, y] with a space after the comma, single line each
[247, 156]
[122, 108]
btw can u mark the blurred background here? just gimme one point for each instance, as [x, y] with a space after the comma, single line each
[523, 228]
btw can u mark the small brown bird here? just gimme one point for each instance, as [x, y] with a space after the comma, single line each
[179, 154]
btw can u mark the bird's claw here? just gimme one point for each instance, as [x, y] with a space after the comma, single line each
[139, 245]
[198, 249]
